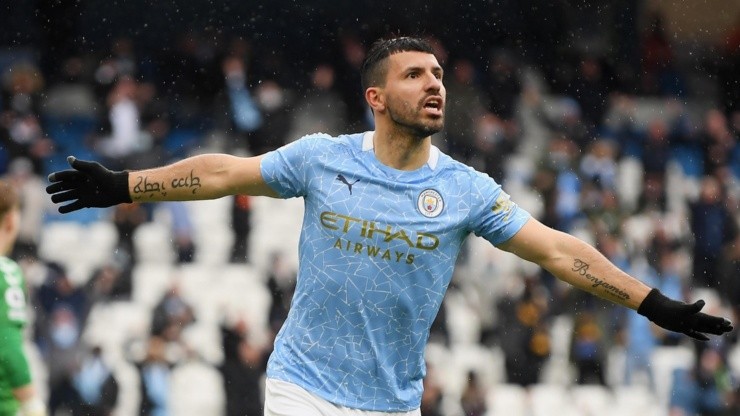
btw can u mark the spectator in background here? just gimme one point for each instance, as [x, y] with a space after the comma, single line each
[473, 398]
[242, 369]
[127, 219]
[496, 140]
[21, 136]
[591, 90]
[62, 313]
[708, 388]
[465, 106]
[59, 292]
[562, 158]
[642, 338]
[719, 145]
[281, 281]
[567, 120]
[154, 379]
[714, 228]
[588, 351]
[155, 124]
[33, 205]
[182, 232]
[171, 315]
[244, 116]
[189, 72]
[241, 224]
[95, 384]
[523, 335]
[321, 108]
[659, 75]
[275, 102]
[503, 84]
[120, 62]
[71, 95]
[109, 282]
[431, 397]
[352, 51]
[125, 141]
[656, 149]
[22, 88]
[599, 164]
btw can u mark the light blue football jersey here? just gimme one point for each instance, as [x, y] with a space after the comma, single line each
[377, 252]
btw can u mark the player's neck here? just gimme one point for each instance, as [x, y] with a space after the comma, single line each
[401, 151]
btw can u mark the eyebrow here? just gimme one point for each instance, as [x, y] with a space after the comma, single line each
[416, 68]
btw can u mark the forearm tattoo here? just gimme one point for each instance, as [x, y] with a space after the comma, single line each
[192, 182]
[146, 187]
[581, 267]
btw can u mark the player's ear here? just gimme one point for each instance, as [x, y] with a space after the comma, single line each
[375, 98]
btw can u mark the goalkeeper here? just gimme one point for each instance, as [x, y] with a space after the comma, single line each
[17, 393]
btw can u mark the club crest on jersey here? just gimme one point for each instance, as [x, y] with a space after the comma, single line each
[430, 203]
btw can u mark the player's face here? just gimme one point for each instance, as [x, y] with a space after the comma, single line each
[11, 226]
[415, 95]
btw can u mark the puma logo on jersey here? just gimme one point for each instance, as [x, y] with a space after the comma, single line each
[344, 180]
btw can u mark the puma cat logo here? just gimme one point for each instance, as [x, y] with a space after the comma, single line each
[344, 180]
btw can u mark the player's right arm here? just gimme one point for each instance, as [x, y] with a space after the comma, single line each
[208, 176]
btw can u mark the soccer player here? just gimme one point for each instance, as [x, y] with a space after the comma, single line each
[386, 213]
[17, 393]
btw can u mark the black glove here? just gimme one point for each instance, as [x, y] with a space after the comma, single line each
[682, 317]
[88, 184]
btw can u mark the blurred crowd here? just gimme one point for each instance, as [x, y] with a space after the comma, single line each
[635, 161]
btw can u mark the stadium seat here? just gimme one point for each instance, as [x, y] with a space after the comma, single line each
[548, 396]
[80, 248]
[634, 400]
[507, 400]
[112, 325]
[153, 243]
[591, 399]
[129, 394]
[276, 227]
[196, 389]
[204, 338]
[150, 282]
[665, 360]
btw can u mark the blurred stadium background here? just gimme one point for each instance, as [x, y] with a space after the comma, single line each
[616, 121]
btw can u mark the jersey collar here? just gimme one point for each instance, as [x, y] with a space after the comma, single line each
[368, 144]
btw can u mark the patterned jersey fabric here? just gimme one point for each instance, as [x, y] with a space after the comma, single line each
[377, 251]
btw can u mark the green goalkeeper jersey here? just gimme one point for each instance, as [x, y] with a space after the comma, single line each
[14, 370]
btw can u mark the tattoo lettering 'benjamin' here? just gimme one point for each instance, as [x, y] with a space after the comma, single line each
[192, 182]
[144, 186]
[581, 267]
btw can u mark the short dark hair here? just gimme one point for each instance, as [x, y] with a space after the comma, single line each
[375, 69]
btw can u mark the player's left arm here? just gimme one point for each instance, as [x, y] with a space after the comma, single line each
[581, 265]
[576, 262]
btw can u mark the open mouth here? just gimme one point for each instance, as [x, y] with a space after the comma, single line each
[433, 105]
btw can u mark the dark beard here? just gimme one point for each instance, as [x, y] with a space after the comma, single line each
[414, 128]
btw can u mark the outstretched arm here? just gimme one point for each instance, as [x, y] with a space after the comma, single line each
[578, 263]
[89, 184]
[206, 176]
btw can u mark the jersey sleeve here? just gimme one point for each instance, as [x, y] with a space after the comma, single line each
[286, 169]
[13, 363]
[494, 216]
